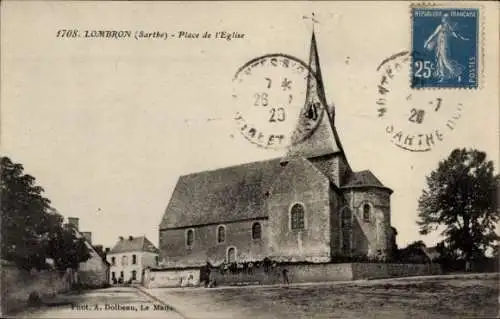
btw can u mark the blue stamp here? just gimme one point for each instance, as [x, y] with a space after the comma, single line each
[445, 48]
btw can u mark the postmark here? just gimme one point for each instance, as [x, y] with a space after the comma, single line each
[414, 120]
[445, 46]
[271, 99]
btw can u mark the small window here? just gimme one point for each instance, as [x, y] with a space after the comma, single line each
[124, 260]
[189, 237]
[157, 260]
[256, 231]
[134, 275]
[113, 261]
[231, 255]
[297, 217]
[113, 275]
[134, 259]
[366, 212]
[121, 274]
[221, 234]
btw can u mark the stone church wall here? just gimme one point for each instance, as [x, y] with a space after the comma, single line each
[336, 203]
[301, 183]
[205, 247]
[333, 166]
[370, 237]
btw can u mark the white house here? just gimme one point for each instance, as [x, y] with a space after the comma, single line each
[129, 257]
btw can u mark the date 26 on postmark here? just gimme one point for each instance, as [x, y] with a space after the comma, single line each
[275, 108]
[445, 47]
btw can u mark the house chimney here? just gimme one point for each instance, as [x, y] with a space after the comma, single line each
[107, 250]
[130, 237]
[121, 238]
[88, 236]
[73, 221]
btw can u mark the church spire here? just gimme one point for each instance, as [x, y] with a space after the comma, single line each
[323, 139]
[315, 68]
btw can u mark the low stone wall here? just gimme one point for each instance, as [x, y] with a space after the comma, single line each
[93, 279]
[381, 270]
[172, 278]
[296, 273]
[18, 284]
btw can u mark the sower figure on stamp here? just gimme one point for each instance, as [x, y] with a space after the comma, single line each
[439, 41]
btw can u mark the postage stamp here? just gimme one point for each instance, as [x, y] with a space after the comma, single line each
[445, 47]
[271, 96]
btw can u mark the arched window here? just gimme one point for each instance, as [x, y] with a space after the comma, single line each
[256, 231]
[366, 212]
[189, 237]
[221, 234]
[231, 255]
[134, 259]
[297, 216]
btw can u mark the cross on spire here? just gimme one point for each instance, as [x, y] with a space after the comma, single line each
[312, 18]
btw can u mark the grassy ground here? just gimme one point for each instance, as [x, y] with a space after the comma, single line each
[475, 297]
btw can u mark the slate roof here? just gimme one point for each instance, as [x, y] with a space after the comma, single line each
[132, 245]
[226, 194]
[363, 179]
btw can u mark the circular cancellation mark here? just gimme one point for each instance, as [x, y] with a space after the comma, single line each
[415, 120]
[276, 100]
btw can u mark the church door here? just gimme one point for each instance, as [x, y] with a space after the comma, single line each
[346, 224]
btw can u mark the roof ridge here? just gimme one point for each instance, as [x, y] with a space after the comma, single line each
[231, 166]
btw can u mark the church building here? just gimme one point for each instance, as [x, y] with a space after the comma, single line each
[306, 206]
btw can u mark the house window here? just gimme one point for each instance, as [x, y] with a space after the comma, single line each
[113, 261]
[134, 259]
[231, 255]
[189, 237]
[221, 234]
[157, 260]
[366, 212]
[121, 274]
[124, 260]
[256, 231]
[113, 276]
[134, 275]
[297, 216]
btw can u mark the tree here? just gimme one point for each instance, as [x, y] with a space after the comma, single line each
[461, 196]
[413, 253]
[65, 249]
[29, 224]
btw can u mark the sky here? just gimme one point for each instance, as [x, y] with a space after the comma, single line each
[108, 125]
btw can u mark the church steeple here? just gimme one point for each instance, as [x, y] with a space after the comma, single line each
[315, 68]
[323, 138]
